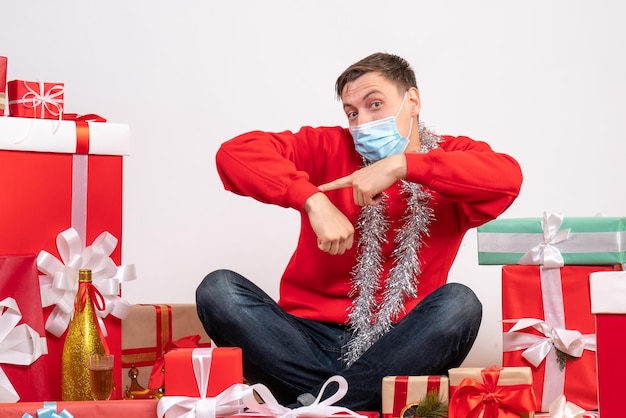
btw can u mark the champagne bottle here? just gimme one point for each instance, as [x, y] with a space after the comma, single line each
[83, 339]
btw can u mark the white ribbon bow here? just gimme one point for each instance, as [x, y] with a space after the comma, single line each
[319, 408]
[545, 253]
[571, 342]
[19, 344]
[59, 283]
[561, 408]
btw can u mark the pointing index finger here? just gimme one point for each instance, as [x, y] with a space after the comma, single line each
[340, 183]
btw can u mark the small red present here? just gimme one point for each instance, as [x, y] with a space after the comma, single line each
[32, 99]
[23, 348]
[548, 326]
[492, 392]
[608, 303]
[401, 392]
[221, 365]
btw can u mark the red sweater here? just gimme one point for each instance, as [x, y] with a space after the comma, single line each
[469, 182]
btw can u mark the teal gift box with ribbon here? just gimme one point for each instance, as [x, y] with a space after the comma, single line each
[553, 241]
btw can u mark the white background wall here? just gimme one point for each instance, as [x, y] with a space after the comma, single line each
[544, 81]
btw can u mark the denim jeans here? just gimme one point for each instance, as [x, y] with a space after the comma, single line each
[294, 356]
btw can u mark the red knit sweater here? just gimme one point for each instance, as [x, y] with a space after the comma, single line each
[470, 184]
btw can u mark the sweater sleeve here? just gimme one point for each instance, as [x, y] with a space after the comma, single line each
[482, 182]
[277, 168]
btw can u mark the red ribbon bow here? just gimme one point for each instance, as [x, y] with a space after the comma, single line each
[99, 303]
[472, 397]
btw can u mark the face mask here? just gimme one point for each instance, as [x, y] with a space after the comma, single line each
[380, 138]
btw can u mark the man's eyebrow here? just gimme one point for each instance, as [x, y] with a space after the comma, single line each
[368, 94]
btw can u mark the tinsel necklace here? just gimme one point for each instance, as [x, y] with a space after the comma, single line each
[370, 318]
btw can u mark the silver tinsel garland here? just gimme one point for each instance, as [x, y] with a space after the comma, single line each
[369, 317]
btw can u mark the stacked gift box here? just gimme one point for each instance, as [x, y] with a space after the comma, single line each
[151, 330]
[61, 194]
[547, 320]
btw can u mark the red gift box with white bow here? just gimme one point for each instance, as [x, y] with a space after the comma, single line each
[548, 326]
[34, 99]
[61, 194]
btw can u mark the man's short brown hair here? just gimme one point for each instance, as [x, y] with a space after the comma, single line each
[392, 67]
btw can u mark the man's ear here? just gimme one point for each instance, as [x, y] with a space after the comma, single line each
[415, 103]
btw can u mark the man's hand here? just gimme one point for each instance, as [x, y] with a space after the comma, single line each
[334, 231]
[368, 183]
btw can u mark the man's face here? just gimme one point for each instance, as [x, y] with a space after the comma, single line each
[372, 97]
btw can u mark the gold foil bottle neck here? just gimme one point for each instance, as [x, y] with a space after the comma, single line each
[84, 276]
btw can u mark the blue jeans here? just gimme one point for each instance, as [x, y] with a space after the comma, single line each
[294, 356]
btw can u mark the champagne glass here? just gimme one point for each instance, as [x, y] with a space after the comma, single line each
[101, 376]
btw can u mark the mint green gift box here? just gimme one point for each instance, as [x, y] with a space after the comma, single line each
[592, 240]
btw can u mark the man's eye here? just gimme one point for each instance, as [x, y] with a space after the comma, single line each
[352, 115]
[376, 104]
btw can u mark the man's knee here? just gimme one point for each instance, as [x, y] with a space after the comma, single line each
[464, 299]
[213, 286]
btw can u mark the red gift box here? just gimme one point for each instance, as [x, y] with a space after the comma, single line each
[19, 283]
[45, 193]
[3, 84]
[32, 99]
[398, 392]
[491, 392]
[225, 369]
[608, 304]
[554, 308]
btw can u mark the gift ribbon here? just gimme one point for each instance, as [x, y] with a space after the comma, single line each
[545, 253]
[319, 408]
[157, 378]
[59, 283]
[19, 344]
[555, 334]
[49, 101]
[473, 397]
[562, 408]
[49, 410]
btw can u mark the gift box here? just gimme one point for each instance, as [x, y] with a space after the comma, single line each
[608, 304]
[81, 409]
[149, 330]
[548, 326]
[23, 360]
[3, 84]
[223, 365]
[401, 392]
[491, 392]
[32, 99]
[553, 241]
[52, 181]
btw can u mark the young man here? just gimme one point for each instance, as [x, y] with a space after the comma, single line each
[384, 206]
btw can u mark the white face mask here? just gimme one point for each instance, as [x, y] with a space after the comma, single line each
[380, 138]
